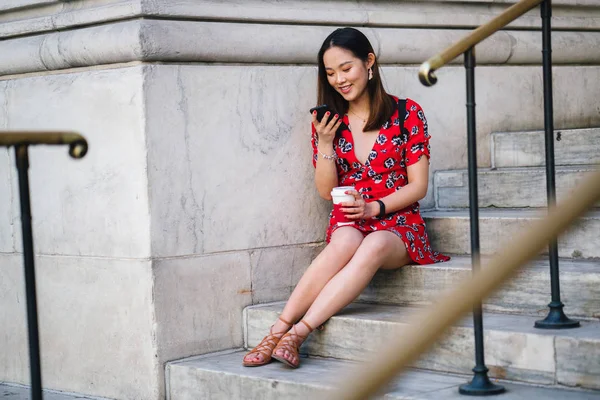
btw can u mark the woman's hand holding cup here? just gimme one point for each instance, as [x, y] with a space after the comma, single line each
[350, 206]
[359, 208]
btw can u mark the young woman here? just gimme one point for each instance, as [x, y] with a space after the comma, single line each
[383, 153]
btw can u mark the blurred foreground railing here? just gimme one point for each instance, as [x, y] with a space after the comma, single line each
[21, 141]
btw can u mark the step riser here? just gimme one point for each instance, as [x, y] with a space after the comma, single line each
[202, 384]
[527, 357]
[525, 149]
[528, 293]
[452, 235]
[220, 376]
[504, 189]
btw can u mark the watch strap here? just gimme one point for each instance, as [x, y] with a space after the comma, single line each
[381, 209]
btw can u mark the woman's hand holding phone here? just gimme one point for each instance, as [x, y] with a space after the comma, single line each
[326, 128]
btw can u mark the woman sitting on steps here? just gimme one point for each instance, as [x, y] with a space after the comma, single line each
[379, 152]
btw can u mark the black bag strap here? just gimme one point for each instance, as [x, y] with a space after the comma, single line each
[402, 112]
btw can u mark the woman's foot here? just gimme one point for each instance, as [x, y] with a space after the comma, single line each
[261, 354]
[287, 348]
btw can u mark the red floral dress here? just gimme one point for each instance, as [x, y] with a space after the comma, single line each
[385, 172]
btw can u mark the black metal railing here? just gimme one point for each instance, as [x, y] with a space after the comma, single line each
[556, 319]
[21, 142]
[480, 384]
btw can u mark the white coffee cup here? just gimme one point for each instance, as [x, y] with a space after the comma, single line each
[338, 195]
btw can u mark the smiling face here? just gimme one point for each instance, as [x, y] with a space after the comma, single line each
[346, 73]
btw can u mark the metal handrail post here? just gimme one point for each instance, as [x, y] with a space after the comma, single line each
[21, 140]
[556, 318]
[481, 384]
[22, 159]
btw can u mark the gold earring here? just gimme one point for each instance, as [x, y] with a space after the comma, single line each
[370, 73]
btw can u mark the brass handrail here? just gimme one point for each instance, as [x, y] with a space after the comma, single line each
[78, 145]
[426, 72]
[426, 327]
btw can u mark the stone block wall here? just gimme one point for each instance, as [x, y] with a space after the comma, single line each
[196, 198]
[91, 237]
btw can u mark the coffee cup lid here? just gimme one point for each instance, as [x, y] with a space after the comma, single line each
[340, 190]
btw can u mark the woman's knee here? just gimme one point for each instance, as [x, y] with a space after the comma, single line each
[345, 240]
[379, 244]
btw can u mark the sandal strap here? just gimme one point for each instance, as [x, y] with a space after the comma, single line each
[266, 346]
[310, 328]
[268, 343]
[290, 340]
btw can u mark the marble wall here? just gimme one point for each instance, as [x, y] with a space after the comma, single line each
[196, 198]
[91, 237]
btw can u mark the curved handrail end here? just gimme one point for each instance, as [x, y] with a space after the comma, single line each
[78, 145]
[78, 149]
[427, 75]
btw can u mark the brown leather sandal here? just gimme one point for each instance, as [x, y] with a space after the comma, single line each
[265, 347]
[291, 342]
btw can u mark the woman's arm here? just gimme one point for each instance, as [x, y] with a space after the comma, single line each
[326, 172]
[416, 158]
[325, 162]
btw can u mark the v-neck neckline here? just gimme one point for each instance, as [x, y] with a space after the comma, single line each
[368, 162]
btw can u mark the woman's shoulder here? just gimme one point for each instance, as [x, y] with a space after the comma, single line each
[411, 104]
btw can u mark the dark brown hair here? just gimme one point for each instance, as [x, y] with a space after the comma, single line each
[382, 104]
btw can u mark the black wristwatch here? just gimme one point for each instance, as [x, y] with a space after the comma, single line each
[381, 209]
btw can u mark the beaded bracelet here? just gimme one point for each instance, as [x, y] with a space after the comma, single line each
[332, 157]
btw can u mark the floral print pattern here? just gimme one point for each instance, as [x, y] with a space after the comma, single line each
[397, 146]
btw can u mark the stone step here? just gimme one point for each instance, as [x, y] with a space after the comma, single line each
[450, 232]
[507, 187]
[514, 349]
[221, 377]
[525, 149]
[528, 293]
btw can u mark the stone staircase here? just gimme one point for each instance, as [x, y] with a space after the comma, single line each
[532, 363]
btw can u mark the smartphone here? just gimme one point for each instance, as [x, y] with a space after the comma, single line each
[321, 110]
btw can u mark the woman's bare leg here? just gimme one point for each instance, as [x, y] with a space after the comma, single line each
[342, 246]
[380, 249]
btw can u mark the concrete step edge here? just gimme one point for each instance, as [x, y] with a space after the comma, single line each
[449, 231]
[514, 348]
[463, 262]
[524, 170]
[508, 213]
[528, 293]
[368, 312]
[527, 148]
[542, 132]
[507, 187]
[318, 374]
